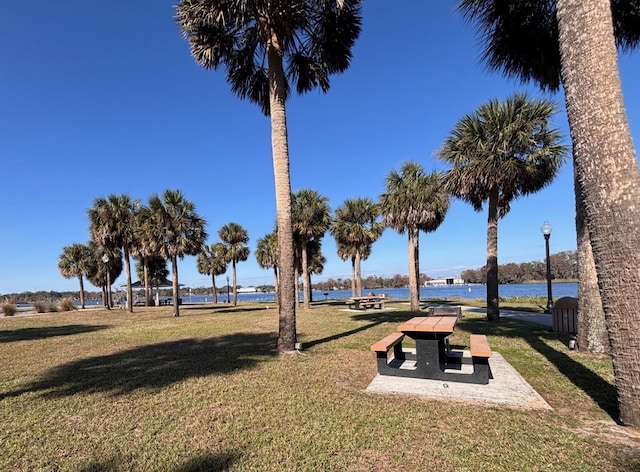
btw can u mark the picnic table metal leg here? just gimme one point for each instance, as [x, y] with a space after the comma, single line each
[428, 357]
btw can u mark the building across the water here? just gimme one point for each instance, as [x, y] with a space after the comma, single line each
[444, 281]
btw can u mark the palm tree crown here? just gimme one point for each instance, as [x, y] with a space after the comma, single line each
[314, 37]
[504, 147]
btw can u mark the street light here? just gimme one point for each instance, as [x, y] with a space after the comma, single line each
[546, 231]
[105, 259]
[228, 301]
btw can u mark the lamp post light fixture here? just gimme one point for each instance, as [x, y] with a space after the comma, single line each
[228, 301]
[546, 232]
[107, 297]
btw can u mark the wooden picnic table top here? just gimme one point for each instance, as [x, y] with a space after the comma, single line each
[429, 324]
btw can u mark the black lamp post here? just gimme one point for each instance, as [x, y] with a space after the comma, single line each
[228, 301]
[107, 300]
[546, 231]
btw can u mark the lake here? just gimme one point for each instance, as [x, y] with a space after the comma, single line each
[564, 289]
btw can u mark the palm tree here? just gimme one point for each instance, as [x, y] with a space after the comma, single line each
[267, 255]
[102, 274]
[502, 151]
[180, 229]
[355, 228]
[235, 238]
[112, 225]
[254, 40]
[311, 219]
[75, 261]
[607, 168]
[508, 48]
[211, 261]
[414, 202]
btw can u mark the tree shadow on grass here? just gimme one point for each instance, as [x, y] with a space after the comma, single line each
[207, 463]
[154, 366]
[220, 308]
[601, 392]
[374, 317]
[31, 334]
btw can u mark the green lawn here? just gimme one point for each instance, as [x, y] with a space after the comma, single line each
[112, 391]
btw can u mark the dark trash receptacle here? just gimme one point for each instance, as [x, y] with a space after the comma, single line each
[565, 315]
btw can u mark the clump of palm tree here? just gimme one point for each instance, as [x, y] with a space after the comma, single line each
[502, 151]
[268, 48]
[112, 224]
[414, 201]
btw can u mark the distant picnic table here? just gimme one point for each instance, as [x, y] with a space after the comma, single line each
[362, 303]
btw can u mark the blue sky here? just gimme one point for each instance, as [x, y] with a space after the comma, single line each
[104, 97]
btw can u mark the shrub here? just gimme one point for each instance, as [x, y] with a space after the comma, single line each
[40, 307]
[9, 309]
[53, 309]
[66, 304]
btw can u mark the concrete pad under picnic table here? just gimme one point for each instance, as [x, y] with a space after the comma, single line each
[505, 388]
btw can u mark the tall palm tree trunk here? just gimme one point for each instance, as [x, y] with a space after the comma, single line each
[607, 168]
[414, 268]
[214, 290]
[296, 286]
[148, 295]
[127, 269]
[493, 308]
[358, 264]
[306, 287]
[235, 284]
[280, 148]
[80, 279]
[175, 289]
[592, 330]
[354, 288]
[275, 282]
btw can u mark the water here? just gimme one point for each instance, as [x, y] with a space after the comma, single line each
[565, 289]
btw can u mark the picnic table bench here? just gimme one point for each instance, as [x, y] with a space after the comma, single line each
[366, 302]
[432, 359]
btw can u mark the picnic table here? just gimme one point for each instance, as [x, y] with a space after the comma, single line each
[431, 356]
[362, 303]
